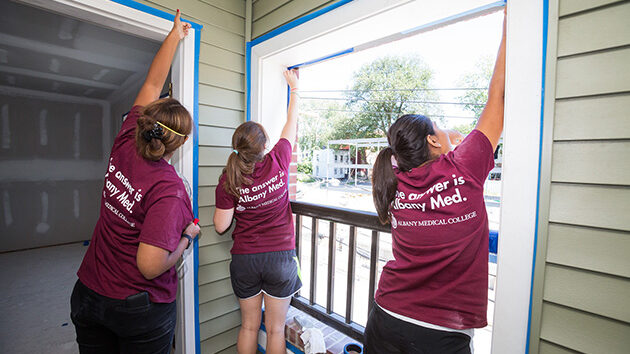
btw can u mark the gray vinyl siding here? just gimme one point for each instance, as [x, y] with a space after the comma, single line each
[581, 298]
[221, 110]
[270, 14]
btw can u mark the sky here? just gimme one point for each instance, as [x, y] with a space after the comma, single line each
[450, 51]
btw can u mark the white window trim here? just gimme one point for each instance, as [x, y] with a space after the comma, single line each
[349, 26]
[122, 18]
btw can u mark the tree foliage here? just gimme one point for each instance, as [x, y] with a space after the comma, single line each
[477, 78]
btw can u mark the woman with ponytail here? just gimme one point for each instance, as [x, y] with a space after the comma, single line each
[124, 300]
[254, 190]
[435, 291]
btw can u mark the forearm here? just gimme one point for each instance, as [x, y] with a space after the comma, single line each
[290, 127]
[158, 71]
[172, 257]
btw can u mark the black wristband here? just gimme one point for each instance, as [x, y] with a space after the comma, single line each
[189, 238]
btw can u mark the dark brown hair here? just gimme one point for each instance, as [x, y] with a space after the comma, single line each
[153, 141]
[407, 139]
[248, 142]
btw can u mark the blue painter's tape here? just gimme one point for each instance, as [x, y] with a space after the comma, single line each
[315, 61]
[540, 148]
[248, 74]
[155, 12]
[498, 4]
[492, 258]
[299, 21]
[196, 187]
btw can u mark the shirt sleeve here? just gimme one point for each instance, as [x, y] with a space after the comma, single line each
[128, 128]
[223, 199]
[164, 223]
[283, 152]
[475, 156]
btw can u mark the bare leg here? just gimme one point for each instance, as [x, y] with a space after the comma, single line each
[275, 316]
[251, 311]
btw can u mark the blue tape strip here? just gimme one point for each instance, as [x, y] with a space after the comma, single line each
[315, 61]
[196, 187]
[498, 4]
[540, 148]
[154, 11]
[248, 74]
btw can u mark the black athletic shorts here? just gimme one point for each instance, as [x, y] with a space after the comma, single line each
[275, 273]
[386, 334]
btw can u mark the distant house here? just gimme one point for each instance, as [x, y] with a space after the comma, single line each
[331, 163]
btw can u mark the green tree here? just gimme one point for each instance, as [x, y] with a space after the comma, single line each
[477, 78]
[383, 90]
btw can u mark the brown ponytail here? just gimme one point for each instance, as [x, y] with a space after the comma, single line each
[407, 139]
[248, 144]
[153, 140]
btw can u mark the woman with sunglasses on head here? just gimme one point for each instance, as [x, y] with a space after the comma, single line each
[435, 291]
[254, 190]
[124, 300]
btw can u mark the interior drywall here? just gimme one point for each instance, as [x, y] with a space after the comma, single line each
[64, 85]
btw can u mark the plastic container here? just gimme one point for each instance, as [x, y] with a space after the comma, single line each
[353, 348]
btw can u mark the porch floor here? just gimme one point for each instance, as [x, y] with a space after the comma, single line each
[35, 302]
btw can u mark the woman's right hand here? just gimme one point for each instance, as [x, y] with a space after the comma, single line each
[180, 29]
[292, 78]
[193, 230]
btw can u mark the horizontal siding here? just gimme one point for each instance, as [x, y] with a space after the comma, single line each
[222, 324]
[262, 8]
[604, 251]
[219, 342]
[217, 252]
[209, 176]
[209, 273]
[204, 12]
[206, 196]
[213, 156]
[576, 75]
[568, 7]
[230, 350]
[211, 237]
[597, 206]
[220, 116]
[582, 331]
[215, 136]
[218, 307]
[281, 15]
[597, 293]
[235, 7]
[604, 117]
[594, 30]
[225, 59]
[602, 162]
[214, 290]
[584, 301]
[205, 215]
[550, 348]
[219, 77]
[220, 38]
[216, 96]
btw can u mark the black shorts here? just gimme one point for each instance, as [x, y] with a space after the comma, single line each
[385, 333]
[277, 274]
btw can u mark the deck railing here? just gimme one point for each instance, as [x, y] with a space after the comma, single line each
[354, 220]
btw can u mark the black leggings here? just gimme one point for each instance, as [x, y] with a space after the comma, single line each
[385, 334]
[106, 325]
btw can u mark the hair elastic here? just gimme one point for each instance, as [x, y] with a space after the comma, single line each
[171, 130]
[235, 151]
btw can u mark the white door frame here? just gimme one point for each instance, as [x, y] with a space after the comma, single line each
[352, 24]
[125, 16]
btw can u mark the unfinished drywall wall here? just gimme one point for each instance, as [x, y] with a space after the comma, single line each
[53, 156]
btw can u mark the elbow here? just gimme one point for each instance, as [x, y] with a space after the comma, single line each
[148, 271]
[221, 226]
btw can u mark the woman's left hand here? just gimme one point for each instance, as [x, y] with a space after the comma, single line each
[180, 29]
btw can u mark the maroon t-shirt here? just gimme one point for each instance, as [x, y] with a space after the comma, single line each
[264, 221]
[440, 240]
[142, 201]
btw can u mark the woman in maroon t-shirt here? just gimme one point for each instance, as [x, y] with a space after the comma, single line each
[124, 300]
[434, 293]
[254, 190]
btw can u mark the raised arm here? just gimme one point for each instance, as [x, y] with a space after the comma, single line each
[289, 131]
[491, 121]
[161, 64]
